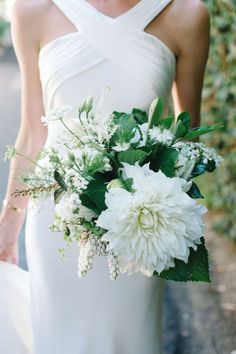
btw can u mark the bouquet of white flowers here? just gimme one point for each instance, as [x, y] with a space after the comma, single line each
[123, 188]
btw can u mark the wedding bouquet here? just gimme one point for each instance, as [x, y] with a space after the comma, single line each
[124, 188]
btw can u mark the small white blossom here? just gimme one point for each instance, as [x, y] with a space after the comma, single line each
[10, 153]
[121, 146]
[67, 206]
[75, 181]
[190, 154]
[56, 114]
[162, 136]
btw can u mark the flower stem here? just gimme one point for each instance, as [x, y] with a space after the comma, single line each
[71, 131]
[30, 160]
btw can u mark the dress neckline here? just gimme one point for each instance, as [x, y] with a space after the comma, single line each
[127, 12]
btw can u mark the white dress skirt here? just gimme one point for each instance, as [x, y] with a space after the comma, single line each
[95, 315]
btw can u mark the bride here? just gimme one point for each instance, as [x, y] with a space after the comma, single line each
[68, 49]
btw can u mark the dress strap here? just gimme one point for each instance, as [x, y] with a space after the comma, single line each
[151, 9]
[121, 39]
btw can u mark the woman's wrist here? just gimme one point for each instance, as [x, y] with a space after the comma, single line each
[13, 207]
[12, 219]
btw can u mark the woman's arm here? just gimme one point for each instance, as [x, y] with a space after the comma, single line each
[192, 46]
[32, 133]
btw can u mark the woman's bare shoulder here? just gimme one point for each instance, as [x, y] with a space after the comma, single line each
[190, 23]
[28, 18]
[30, 9]
[191, 14]
[30, 12]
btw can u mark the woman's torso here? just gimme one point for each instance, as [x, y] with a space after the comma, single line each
[117, 54]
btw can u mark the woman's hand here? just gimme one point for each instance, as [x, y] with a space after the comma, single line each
[9, 249]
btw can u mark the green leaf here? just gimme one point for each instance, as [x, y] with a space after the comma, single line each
[88, 203]
[167, 122]
[199, 170]
[194, 192]
[58, 178]
[67, 232]
[167, 161]
[197, 268]
[57, 194]
[132, 156]
[127, 126]
[211, 166]
[196, 132]
[117, 115]
[140, 116]
[96, 191]
[184, 117]
[180, 129]
[128, 183]
[155, 112]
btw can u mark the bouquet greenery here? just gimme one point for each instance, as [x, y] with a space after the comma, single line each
[124, 188]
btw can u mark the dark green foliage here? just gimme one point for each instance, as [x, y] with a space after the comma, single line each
[96, 191]
[155, 112]
[168, 160]
[197, 268]
[60, 180]
[140, 116]
[194, 192]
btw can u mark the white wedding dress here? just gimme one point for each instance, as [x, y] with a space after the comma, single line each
[95, 315]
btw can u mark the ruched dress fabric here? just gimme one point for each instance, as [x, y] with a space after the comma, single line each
[96, 315]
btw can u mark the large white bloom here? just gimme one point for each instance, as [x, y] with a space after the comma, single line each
[156, 223]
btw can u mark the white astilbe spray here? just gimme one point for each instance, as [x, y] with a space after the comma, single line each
[98, 129]
[91, 246]
[113, 264]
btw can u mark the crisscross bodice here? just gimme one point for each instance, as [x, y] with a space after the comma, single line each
[105, 51]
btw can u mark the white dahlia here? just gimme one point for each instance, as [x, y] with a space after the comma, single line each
[149, 228]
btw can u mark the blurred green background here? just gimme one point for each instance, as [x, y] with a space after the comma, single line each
[219, 105]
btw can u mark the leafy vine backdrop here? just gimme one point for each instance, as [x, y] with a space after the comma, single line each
[219, 105]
